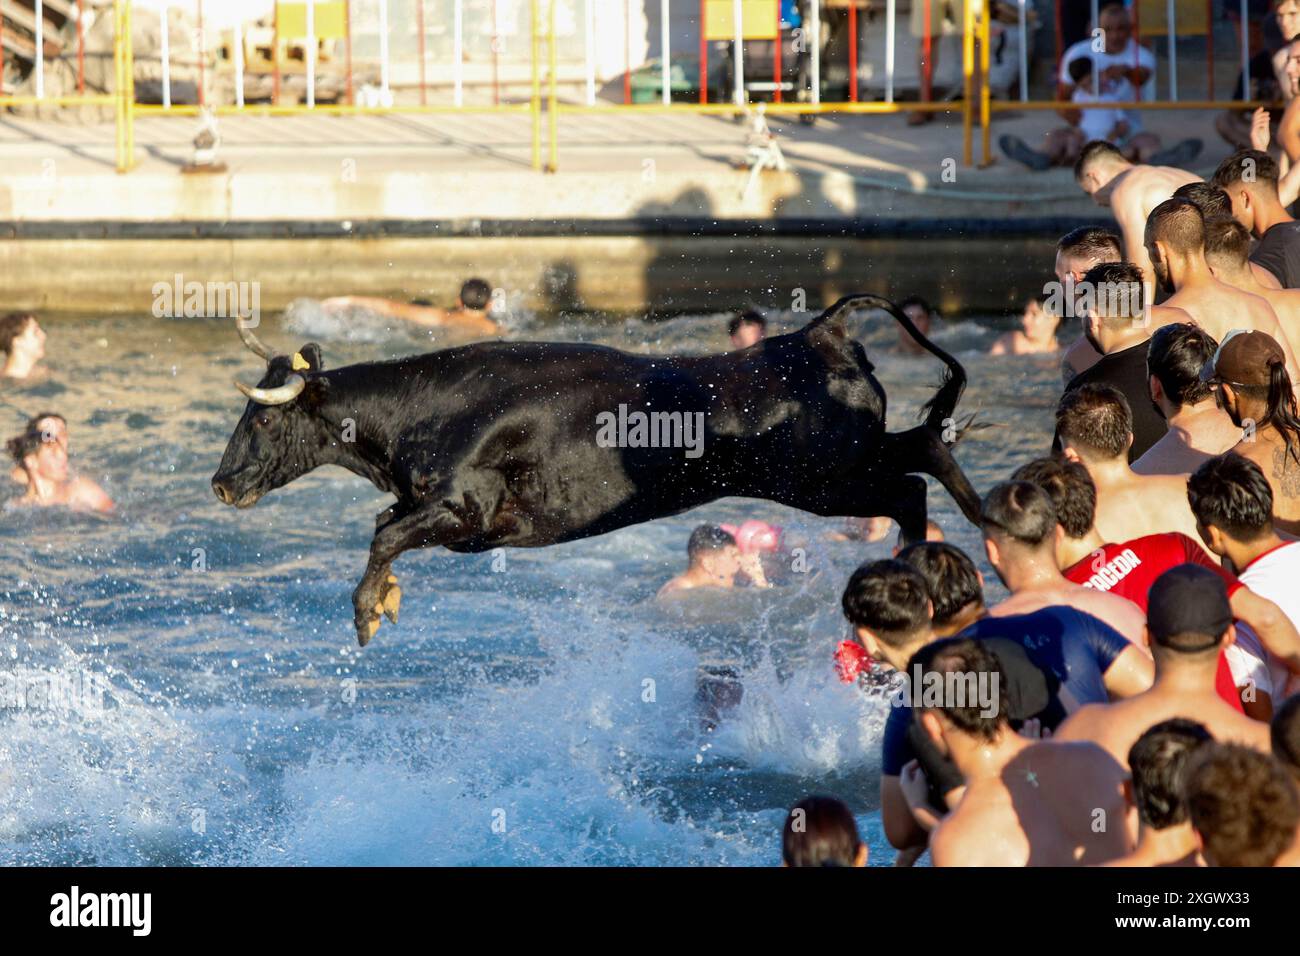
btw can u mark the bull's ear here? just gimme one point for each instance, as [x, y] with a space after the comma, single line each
[316, 392]
[308, 358]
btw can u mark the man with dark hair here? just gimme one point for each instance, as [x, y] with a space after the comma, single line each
[1095, 427]
[1026, 803]
[1250, 178]
[1252, 384]
[1189, 622]
[1130, 568]
[922, 315]
[1233, 504]
[1214, 204]
[469, 315]
[41, 452]
[22, 340]
[821, 831]
[1131, 191]
[713, 561]
[1244, 807]
[1055, 651]
[746, 328]
[1175, 240]
[955, 585]
[1077, 252]
[1227, 252]
[1020, 539]
[1198, 428]
[1157, 764]
[1117, 325]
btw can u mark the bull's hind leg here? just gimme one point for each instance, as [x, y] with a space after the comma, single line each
[400, 528]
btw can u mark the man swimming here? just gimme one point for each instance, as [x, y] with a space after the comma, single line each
[1252, 384]
[922, 315]
[1096, 428]
[23, 342]
[469, 315]
[1036, 335]
[746, 329]
[44, 460]
[1198, 429]
[1026, 803]
[713, 561]
[1157, 763]
[1189, 622]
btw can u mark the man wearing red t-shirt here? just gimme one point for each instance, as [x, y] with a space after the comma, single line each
[1130, 568]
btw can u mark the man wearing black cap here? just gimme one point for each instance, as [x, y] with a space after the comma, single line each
[1250, 379]
[1189, 620]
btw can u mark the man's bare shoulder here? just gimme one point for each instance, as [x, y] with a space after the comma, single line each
[1083, 724]
[971, 835]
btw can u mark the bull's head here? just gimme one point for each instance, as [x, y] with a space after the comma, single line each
[278, 436]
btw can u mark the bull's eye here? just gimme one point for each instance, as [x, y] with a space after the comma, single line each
[264, 421]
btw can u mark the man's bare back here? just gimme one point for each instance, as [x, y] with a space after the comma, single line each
[1204, 433]
[1268, 450]
[1138, 505]
[1042, 810]
[1131, 196]
[1218, 308]
[1119, 612]
[1116, 727]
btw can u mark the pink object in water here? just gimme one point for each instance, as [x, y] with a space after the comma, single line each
[755, 535]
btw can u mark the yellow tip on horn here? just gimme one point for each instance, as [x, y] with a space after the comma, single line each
[300, 363]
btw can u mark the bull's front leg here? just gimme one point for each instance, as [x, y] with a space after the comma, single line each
[402, 527]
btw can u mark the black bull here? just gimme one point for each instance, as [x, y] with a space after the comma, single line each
[509, 444]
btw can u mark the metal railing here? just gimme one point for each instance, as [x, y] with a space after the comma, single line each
[730, 24]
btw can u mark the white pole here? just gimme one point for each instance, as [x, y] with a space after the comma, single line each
[458, 52]
[311, 54]
[589, 48]
[40, 50]
[663, 49]
[1173, 51]
[1245, 53]
[1096, 27]
[816, 38]
[383, 46]
[1024, 55]
[891, 13]
[239, 63]
[737, 15]
[166, 54]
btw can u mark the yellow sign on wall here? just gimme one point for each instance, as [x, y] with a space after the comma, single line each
[757, 17]
[330, 20]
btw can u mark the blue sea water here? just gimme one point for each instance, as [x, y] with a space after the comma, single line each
[180, 682]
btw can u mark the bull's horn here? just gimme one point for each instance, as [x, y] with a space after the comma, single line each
[254, 344]
[291, 389]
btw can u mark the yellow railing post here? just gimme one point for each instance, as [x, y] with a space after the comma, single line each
[123, 85]
[552, 106]
[536, 103]
[968, 76]
[986, 15]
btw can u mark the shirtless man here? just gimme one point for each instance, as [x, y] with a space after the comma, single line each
[469, 315]
[1255, 390]
[1157, 762]
[713, 561]
[1175, 237]
[1198, 429]
[1214, 203]
[1036, 335]
[1020, 538]
[1250, 178]
[1189, 622]
[1227, 252]
[1026, 803]
[1096, 429]
[1130, 190]
[45, 461]
[53, 427]
[22, 340]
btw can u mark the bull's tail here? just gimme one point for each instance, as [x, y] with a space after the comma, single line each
[941, 406]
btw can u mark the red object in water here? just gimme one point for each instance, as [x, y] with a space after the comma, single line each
[851, 660]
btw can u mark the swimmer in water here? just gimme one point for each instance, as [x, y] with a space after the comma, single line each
[754, 538]
[23, 341]
[1036, 335]
[44, 460]
[714, 561]
[821, 831]
[877, 529]
[469, 315]
[746, 329]
[922, 316]
[46, 423]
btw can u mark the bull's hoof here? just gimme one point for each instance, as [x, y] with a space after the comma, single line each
[392, 599]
